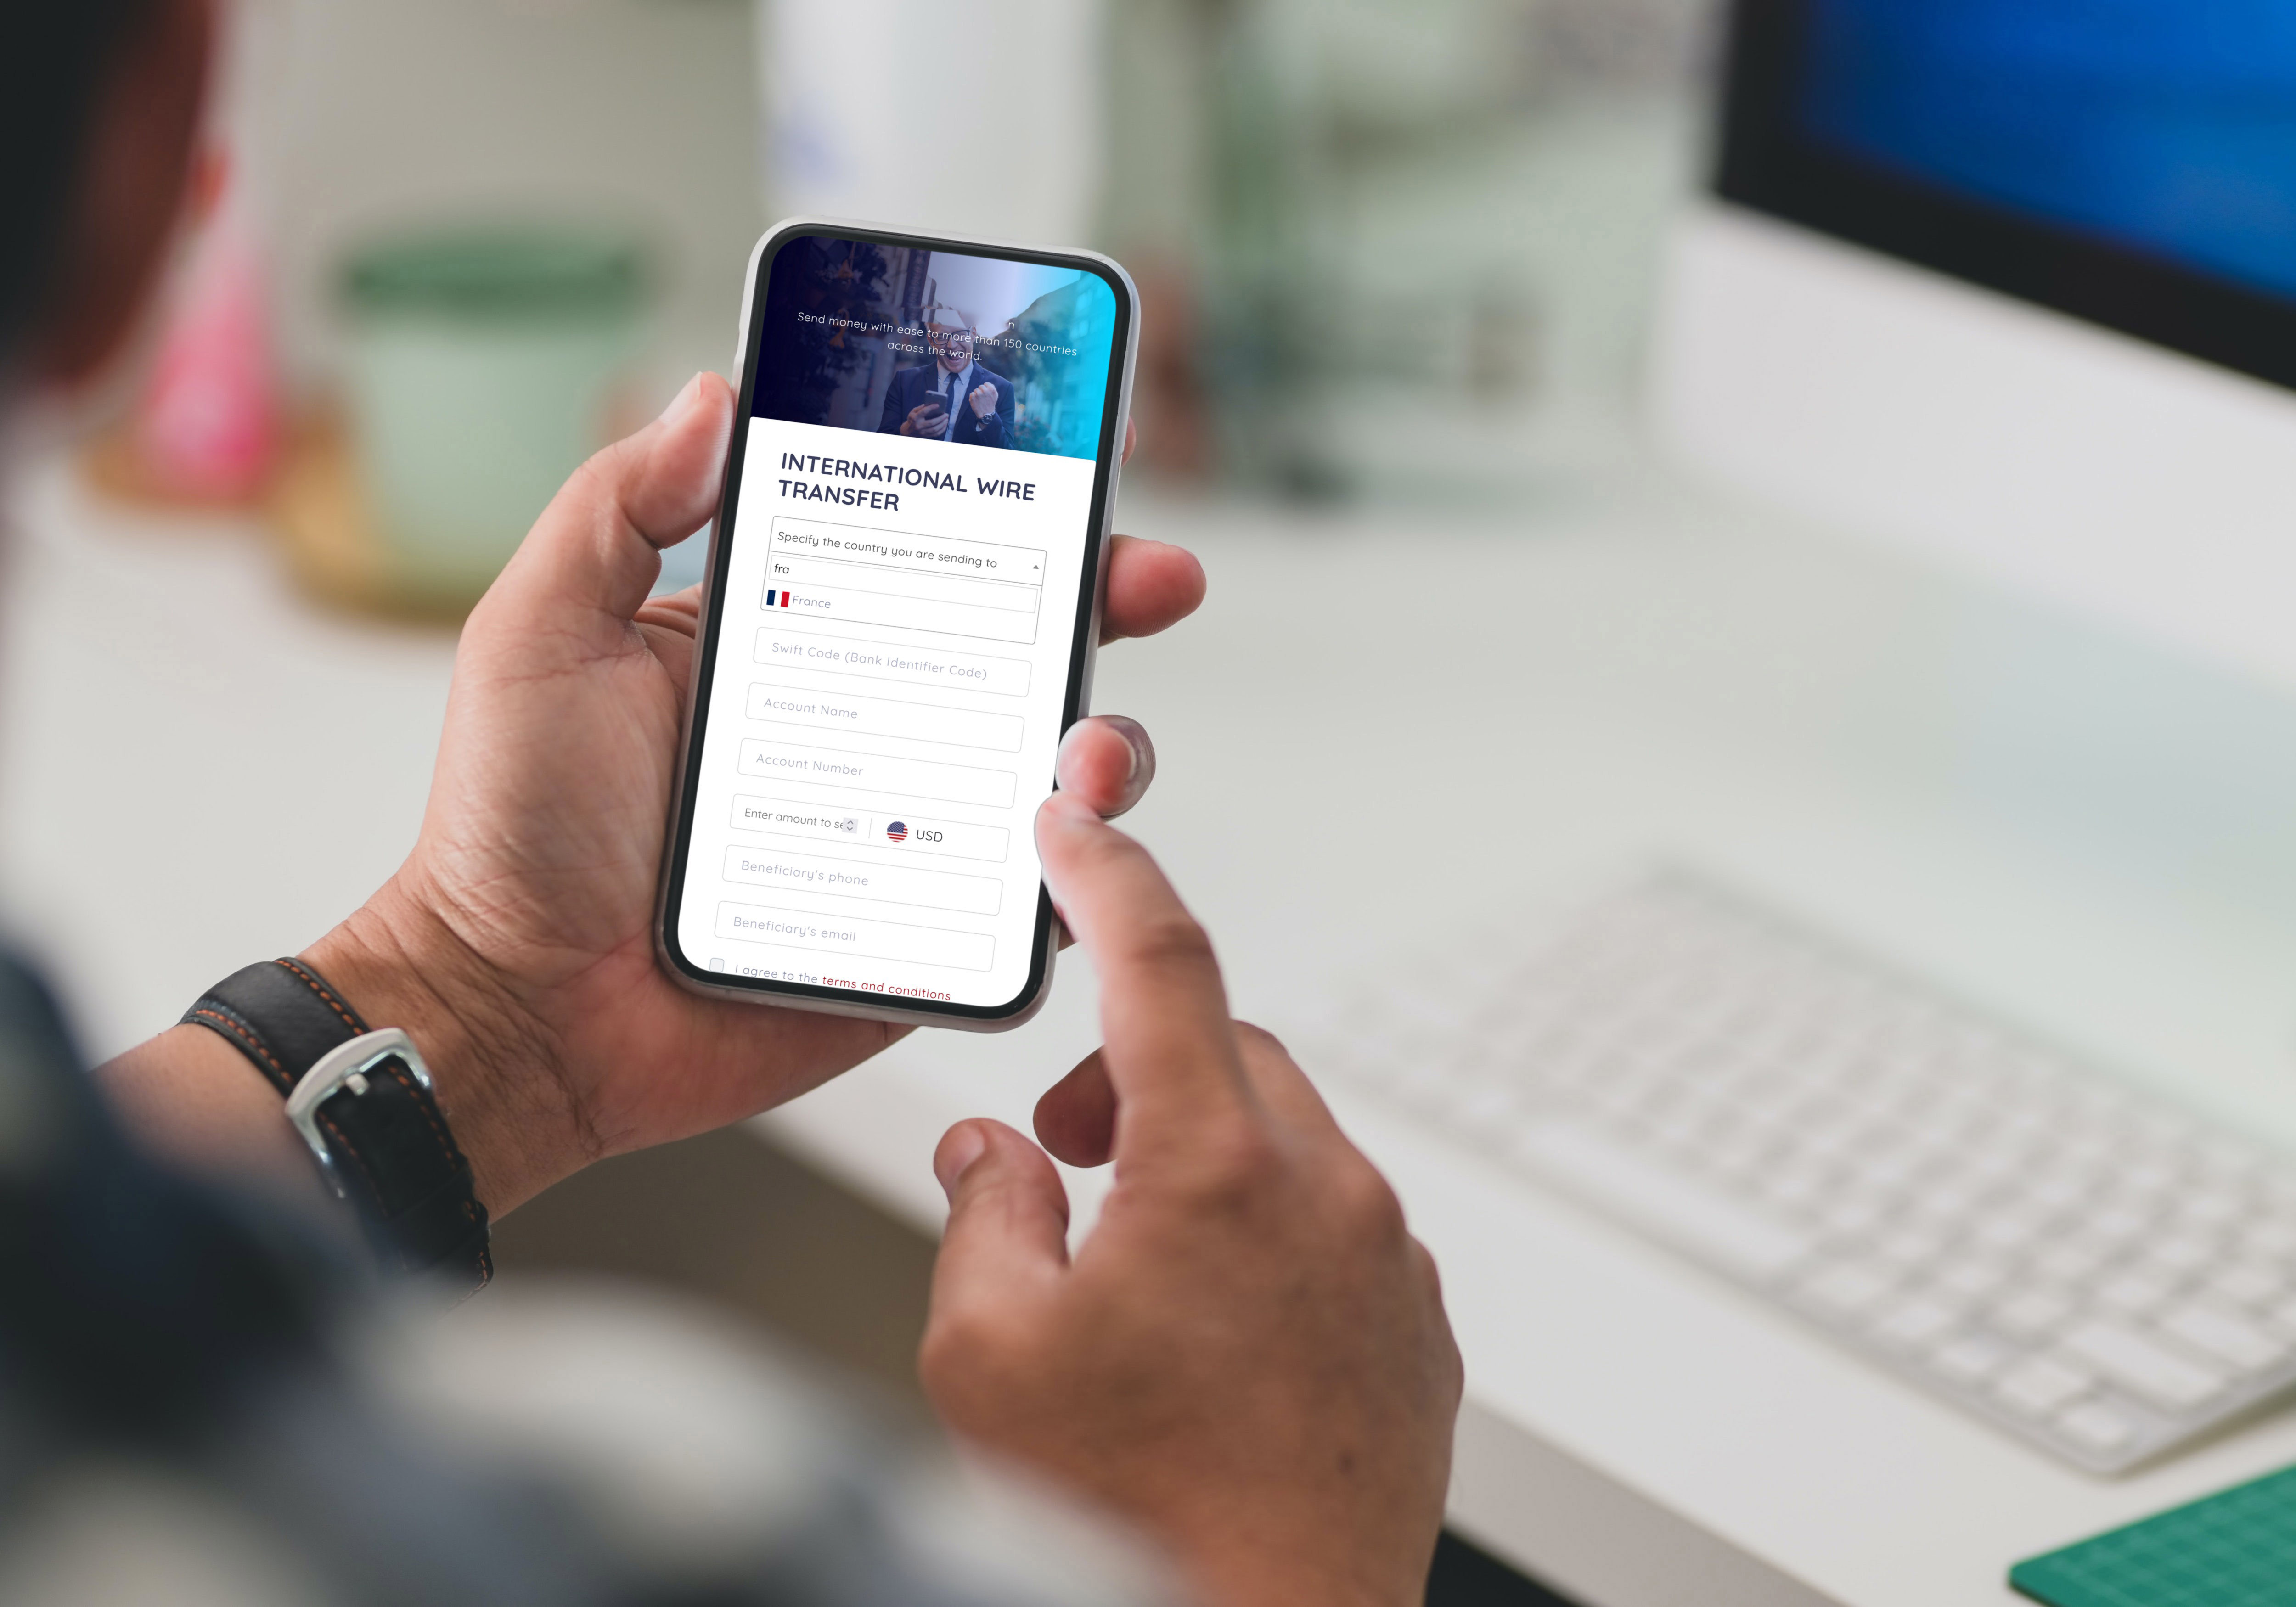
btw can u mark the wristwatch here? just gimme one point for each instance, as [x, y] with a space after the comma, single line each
[363, 1101]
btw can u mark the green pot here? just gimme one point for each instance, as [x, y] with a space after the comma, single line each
[482, 366]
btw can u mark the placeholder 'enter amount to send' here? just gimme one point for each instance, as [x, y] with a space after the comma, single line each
[865, 577]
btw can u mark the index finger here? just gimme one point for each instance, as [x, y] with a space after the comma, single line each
[1169, 1047]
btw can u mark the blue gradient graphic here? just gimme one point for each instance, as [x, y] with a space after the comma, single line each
[842, 317]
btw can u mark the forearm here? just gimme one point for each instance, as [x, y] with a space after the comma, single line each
[190, 1098]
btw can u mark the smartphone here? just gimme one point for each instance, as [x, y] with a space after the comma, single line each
[902, 603]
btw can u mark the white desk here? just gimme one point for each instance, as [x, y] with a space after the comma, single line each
[1380, 728]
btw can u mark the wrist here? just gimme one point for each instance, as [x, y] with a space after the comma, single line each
[1262, 1581]
[399, 964]
[1283, 1557]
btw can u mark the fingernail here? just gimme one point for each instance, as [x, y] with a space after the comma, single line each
[956, 1155]
[1135, 744]
[683, 400]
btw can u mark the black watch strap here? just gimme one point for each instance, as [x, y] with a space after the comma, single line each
[370, 1116]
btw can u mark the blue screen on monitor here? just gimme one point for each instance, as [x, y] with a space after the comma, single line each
[2168, 126]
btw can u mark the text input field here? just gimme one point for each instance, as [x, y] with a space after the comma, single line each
[938, 554]
[845, 772]
[890, 661]
[782, 571]
[887, 717]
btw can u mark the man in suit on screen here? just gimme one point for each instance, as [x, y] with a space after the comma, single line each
[953, 398]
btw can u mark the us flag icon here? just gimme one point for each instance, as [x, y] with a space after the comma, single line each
[897, 832]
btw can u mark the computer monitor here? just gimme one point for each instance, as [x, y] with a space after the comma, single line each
[2012, 282]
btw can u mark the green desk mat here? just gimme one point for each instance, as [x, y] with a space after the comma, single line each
[2235, 1549]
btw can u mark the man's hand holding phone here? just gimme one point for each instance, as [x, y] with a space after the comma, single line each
[516, 941]
[930, 419]
[1249, 1357]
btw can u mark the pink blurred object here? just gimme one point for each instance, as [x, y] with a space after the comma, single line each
[207, 426]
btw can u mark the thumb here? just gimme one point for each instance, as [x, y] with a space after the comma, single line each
[597, 545]
[1008, 1219]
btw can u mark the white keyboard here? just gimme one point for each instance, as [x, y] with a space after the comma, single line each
[2067, 1258]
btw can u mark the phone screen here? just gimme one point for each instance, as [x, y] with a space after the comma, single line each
[898, 622]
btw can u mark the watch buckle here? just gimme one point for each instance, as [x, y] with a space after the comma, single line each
[346, 1066]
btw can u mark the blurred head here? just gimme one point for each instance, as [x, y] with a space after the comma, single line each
[100, 107]
[949, 332]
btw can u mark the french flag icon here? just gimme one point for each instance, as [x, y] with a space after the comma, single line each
[772, 595]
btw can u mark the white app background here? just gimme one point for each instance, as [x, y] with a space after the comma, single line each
[884, 715]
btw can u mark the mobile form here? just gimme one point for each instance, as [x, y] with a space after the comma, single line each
[903, 600]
